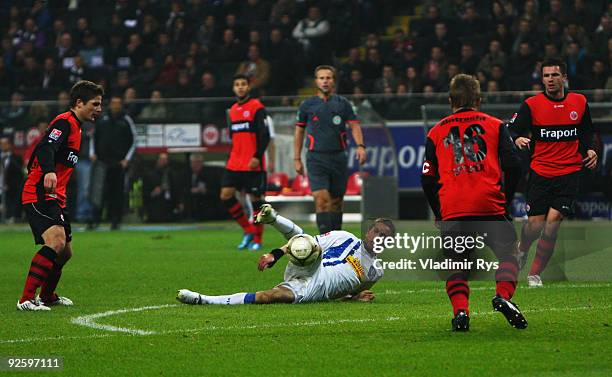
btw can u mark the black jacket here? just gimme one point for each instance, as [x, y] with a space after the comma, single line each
[114, 138]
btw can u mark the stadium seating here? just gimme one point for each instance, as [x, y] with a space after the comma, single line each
[355, 182]
[299, 187]
[277, 182]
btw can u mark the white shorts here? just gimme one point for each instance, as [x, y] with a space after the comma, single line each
[306, 283]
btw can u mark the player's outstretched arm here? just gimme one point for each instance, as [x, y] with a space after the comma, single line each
[269, 259]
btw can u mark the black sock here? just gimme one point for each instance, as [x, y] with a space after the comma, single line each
[324, 222]
[336, 220]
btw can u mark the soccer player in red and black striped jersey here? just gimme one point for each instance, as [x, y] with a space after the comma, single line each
[44, 196]
[467, 157]
[246, 165]
[556, 127]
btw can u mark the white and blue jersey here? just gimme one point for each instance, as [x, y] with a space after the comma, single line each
[345, 267]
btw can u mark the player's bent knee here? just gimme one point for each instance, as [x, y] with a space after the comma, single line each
[55, 238]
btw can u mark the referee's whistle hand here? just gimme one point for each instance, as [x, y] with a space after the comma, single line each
[299, 167]
[361, 156]
[50, 182]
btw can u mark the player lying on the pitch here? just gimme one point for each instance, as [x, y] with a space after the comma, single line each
[345, 269]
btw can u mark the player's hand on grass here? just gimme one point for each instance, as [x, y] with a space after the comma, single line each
[590, 161]
[364, 296]
[299, 167]
[50, 182]
[361, 155]
[522, 142]
[254, 163]
[265, 261]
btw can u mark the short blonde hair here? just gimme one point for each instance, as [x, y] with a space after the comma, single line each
[464, 91]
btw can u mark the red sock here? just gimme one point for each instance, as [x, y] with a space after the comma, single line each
[459, 293]
[47, 290]
[236, 211]
[41, 266]
[506, 277]
[259, 229]
[546, 246]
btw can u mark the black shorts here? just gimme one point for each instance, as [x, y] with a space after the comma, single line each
[328, 171]
[252, 182]
[44, 215]
[497, 232]
[557, 192]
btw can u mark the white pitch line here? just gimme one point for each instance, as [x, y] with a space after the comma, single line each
[268, 326]
[88, 320]
[559, 286]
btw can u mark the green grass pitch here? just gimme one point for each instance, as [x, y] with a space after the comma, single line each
[404, 332]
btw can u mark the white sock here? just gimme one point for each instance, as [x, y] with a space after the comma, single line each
[287, 227]
[235, 299]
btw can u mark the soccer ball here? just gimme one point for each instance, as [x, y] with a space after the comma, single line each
[303, 250]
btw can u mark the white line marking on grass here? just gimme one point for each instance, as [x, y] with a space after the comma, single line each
[115, 332]
[88, 320]
[555, 286]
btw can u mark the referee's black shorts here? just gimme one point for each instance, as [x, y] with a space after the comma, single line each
[557, 192]
[44, 215]
[252, 182]
[328, 171]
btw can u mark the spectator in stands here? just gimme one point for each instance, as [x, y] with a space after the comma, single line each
[202, 198]
[283, 63]
[550, 51]
[471, 23]
[52, 78]
[230, 50]
[602, 36]
[599, 75]
[131, 107]
[574, 32]
[435, 66]
[254, 13]
[39, 112]
[469, 60]
[499, 13]
[145, 77]
[312, 33]
[184, 87]
[11, 181]
[77, 71]
[206, 33]
[114, 146]
[526, 34]
[553, 34]
[443, 39]
[64, 51]
[16, 114]
[413, 81]
[428, 24]
[169, 72]
[91, 52]
[156, 110]
[353, 61]
[556, 11]
[29, 76]
[575, 58]
[256, 69]
[161, 192]
[494, 56]
[520, 66]
[387, 79]
[372, 65]
[136, 51]
[502, 34]
[6, 80]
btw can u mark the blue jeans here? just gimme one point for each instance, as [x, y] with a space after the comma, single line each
[83, 206]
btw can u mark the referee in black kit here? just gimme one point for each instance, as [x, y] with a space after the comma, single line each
[324, 118]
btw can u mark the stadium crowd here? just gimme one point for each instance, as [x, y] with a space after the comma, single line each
[152, 49]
